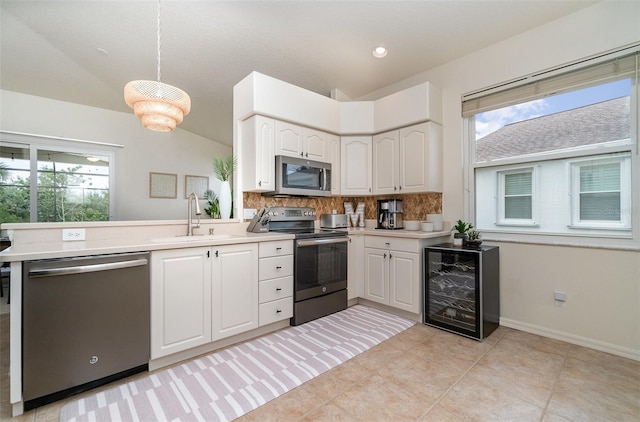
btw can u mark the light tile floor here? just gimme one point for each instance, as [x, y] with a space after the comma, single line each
[425, 374]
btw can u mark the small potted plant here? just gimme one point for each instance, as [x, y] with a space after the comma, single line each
[474, 239]
[213, 210]
[461, 228]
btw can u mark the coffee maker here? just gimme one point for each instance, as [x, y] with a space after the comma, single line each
[389, 215]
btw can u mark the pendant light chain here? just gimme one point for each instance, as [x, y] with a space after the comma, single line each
[159, 41]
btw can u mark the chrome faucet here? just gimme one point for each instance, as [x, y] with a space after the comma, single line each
[190, 226]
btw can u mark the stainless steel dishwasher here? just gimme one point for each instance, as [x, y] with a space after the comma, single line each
[85, 323]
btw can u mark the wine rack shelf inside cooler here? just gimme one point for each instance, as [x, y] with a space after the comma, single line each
[458, 295]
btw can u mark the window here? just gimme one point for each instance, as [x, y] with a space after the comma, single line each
[48, 183]
[556, 154]
[516, 197]
[600, 197]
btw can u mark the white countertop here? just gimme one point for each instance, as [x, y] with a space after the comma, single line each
[403, 233]
[44, 241]
[30, 251]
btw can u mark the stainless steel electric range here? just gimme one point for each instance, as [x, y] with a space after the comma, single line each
[320, 263]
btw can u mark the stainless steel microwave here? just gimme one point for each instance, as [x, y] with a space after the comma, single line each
[301, 177]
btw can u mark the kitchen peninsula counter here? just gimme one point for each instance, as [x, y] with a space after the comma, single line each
[43, 240]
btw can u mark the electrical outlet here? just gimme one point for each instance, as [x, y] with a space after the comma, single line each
[560, 299]
[72, 234]
[560, 296]
[249, 213]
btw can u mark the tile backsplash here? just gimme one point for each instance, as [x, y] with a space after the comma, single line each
[416, 206]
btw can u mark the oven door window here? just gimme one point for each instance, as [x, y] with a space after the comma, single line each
[320, 269]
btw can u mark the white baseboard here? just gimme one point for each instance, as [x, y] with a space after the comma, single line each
[572, 338]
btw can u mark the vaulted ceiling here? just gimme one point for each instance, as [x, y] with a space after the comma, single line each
[86, 51]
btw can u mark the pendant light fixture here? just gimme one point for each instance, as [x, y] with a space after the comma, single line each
[159, 106]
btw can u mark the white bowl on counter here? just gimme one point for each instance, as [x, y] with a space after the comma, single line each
[412, 225]
[426, 226]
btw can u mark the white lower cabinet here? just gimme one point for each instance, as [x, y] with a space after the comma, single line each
[276, 281]
[355, 262]
[234, 305]
[200, 295]
[392, 272]
[180, 300]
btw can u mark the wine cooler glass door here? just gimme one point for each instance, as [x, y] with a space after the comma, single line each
[451, 291]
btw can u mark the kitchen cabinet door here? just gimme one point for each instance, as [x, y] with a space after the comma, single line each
[289, 139]
[404, 285]
[257, 155]
[333, 156]
[314, 145]
[376, 275]
[420, 157]
[180, 300]
[385, 163]
[355, 166]
[234, 289]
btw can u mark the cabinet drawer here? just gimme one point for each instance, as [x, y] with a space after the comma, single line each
[276, 248]
[275, 267]
[395, 243]
[276, 288]
[276, 310]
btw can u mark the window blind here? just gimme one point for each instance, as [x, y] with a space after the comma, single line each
[554, 81]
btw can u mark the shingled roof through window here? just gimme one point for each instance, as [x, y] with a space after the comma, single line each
[593, 124]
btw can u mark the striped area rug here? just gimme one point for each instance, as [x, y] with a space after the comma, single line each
[227, 384]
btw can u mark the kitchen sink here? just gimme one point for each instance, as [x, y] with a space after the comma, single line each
[194, 238]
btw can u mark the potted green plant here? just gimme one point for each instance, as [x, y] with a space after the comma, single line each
[223, 170]
[474, 239]
[213, 210]
[461, 228]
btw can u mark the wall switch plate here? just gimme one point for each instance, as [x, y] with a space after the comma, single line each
[72, 234]
[249, 212]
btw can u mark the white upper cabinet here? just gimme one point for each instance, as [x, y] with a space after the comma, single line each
[408, 160]
[333, 156]
[385, 163]
[297, 141]
[257, 154]
[420, 158]
[404, 156]
[288, 139]
[314, 145]
[355, 167]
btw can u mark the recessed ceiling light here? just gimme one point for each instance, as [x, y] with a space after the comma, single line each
[379, 52]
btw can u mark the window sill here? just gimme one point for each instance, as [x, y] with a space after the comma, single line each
[623, 243]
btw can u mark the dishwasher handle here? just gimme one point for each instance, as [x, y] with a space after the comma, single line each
[80, 269]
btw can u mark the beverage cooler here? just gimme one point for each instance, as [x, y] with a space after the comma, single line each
[462, 289]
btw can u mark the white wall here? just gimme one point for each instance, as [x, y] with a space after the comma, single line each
[602, 286]
[178, 152]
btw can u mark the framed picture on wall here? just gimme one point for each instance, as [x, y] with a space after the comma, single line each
[196, 184]
[163, 185]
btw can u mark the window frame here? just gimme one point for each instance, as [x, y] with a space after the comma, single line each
[574, 166]
[574, 236]
[33, 143]
[501, 219]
